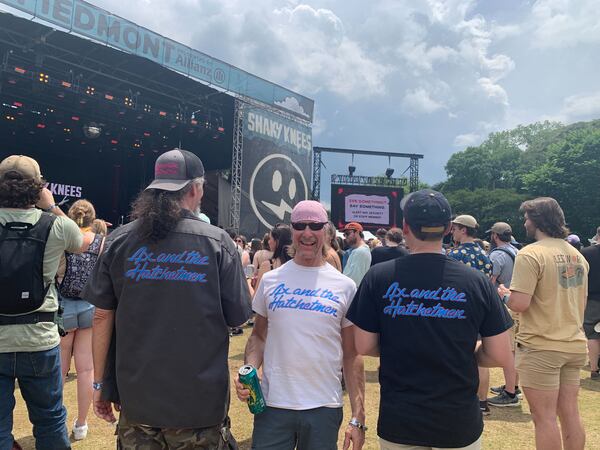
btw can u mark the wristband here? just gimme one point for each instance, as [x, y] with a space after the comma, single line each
[355, 423]
[97, 385]
[50, 208]
[505, 298]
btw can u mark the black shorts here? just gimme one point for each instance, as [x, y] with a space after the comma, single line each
[590, 318]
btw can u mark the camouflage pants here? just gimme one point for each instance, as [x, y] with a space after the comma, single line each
[142, 437]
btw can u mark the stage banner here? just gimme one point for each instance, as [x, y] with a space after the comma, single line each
[85, 19]
[276, 167]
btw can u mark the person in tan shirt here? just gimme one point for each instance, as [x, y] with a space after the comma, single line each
[549, 289]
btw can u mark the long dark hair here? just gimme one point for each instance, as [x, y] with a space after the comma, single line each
[158, 212]
[283, 236]
[547, 215]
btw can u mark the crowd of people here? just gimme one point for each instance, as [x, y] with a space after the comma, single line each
[147, 311]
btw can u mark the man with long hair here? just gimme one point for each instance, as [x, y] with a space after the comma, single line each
[549, 288]
[302, 339]
[171, 285]
[29, 341]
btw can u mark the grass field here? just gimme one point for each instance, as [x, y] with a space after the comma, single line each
[506, 428]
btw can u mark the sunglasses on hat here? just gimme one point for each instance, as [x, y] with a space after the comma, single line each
[301, 226]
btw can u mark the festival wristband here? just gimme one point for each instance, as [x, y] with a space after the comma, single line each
[50, 208]
[97, 385]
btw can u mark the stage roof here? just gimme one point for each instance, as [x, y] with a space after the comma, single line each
[85, 19]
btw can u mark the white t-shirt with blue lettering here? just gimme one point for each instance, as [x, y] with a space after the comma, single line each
[306, 311]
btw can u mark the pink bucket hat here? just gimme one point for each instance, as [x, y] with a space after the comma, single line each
[309, 211]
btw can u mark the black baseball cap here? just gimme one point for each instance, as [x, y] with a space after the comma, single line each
[174, 169]
[427, 211]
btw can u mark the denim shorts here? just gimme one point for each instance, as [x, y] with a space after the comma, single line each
[77, 314]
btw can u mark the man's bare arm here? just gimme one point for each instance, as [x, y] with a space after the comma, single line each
[103, 325]
[255, 347]
[367, 343]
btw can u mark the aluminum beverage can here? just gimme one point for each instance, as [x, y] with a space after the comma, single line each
[249, 378]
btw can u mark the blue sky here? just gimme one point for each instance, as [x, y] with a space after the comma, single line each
[414, 76]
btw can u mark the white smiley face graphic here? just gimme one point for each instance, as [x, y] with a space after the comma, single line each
[270, 171]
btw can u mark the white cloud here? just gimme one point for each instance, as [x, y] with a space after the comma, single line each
[493, 91]
[562, 23]
[419, 101]
[581, 107]
[466, 140]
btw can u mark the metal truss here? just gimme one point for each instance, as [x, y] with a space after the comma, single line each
[368, 181]
[236, 164]
[414, 174]
[316, 181]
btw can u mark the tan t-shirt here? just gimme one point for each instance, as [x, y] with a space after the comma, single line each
[64, 235]
[556, 276]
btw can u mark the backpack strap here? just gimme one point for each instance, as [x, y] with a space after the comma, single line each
[503, 250]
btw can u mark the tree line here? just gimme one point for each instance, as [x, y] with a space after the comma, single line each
[491, 180]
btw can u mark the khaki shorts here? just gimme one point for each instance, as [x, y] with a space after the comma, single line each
[386, 445]
[547, 369]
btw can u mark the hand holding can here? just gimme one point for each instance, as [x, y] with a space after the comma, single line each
[251, 392]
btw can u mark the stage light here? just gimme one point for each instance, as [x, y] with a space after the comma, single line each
[12, 81]
[128, 102]
[67, 130]
[92, 130]
[90, 90]
[351, 170]
[65, 84]
[9, 117]
[61, 95]
[194, 122]
[114, 141]
[389, 172]
[41, 125]
[147, 108]
[20, 70]
[162, 113]
[221, 130]
[146, 134]
[109, 97]
[17, 104]
[75, 118]
[43, 78]
[178, 116]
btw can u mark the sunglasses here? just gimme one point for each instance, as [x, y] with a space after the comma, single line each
[314, 226]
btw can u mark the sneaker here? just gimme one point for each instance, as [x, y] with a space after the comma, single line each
[79, 432]
[485, 409]
[503, 399]
[499, 389]
[595, 375]
[235, 331]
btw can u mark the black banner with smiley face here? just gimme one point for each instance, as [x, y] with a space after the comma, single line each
[276, 166]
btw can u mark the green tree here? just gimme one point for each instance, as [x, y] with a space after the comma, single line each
[571, 174]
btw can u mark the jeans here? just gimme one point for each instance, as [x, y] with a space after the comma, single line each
[40, 383]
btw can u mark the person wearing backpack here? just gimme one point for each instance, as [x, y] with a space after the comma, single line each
[503, 256]
[78, 315]
[32, 241]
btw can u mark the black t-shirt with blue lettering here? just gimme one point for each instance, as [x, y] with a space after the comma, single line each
[428, 310]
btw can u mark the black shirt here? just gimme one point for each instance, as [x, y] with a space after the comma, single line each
[592, 255]
[380, 254]
[174, 302]
[428, 310]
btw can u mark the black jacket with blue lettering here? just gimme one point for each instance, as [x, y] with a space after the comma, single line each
[174, 301]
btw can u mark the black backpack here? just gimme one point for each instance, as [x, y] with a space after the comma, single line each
[22, 246]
